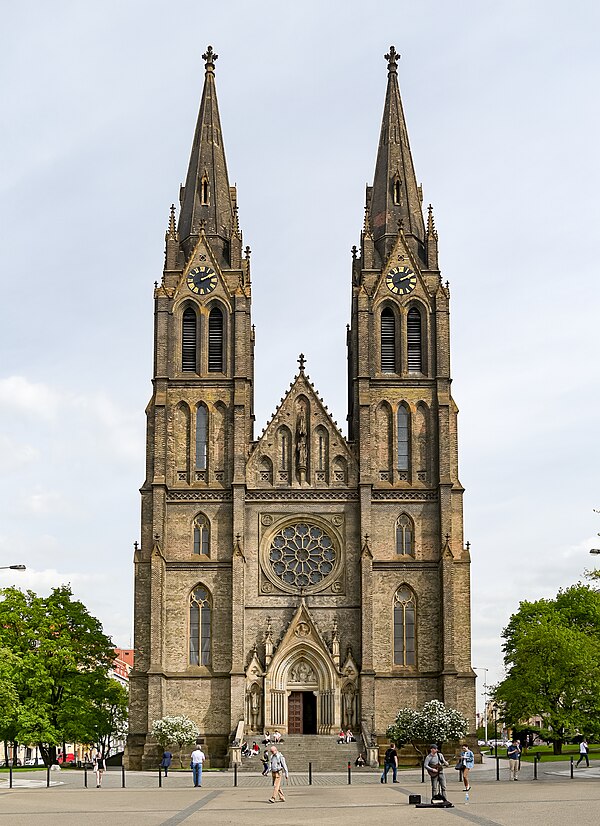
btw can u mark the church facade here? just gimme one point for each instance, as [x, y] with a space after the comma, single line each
[301, 581]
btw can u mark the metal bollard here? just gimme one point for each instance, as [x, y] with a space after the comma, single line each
[535, 762]
[122, 776]
[159, 777]
[85, 777]
[235, 775]
[48, 777]
[423, 770]
[10, 775]
[310, 774]
[497, 763]
[571, 767]
[349, 774]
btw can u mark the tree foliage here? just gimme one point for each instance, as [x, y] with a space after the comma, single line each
[552, 657]
[180, 731]
[433, 723]
[59, 661]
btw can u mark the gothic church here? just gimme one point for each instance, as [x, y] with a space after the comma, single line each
[301, 581]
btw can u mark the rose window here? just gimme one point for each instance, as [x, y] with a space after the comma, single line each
[302, 555]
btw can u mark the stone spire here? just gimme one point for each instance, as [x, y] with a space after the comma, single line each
[207, 202]
[395, 195]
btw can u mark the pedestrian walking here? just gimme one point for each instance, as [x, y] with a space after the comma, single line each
[513, 752]
[165, 763]
[278, 768]
[265, 762]
[198, 758]
[434, 764]
[99, 768]
[467, 759]
[390, 761]
[584, 753]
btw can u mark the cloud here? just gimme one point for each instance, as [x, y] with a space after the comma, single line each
[14, 455]
[44, 502]
[30, 397]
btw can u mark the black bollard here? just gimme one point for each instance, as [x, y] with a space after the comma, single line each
[535, 762]
[497, 763]
[48, 777]
[85, 777]
[122, 776]
[310, 774]
[10, 775]
[423, 770]
[235, 774]
[349, 774]
[159, 777]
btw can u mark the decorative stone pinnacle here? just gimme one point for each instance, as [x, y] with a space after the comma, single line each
[135, 546]
[301, 361]
[247, 252]
[392, 58]
[354, 252]
[209, 58]
[447, 537]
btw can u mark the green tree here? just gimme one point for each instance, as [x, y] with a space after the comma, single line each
[60, 654]
[179, 730]
[434, 723]
[552, 656]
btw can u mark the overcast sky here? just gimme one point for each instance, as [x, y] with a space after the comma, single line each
[100, 103]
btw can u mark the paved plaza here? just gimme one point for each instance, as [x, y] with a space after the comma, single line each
[553, 799]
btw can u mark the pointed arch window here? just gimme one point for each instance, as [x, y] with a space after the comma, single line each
[404, 627]
[405, 536]
[414, 344]
[201, 535]
[201, 437]
[403, 437]
[215, 341]
[200, 621]
[388, 341]
[396, 190]
[188, 340]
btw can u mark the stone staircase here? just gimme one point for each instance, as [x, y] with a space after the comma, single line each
[322, 751]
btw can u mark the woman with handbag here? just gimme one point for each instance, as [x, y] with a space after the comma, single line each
[467, 759]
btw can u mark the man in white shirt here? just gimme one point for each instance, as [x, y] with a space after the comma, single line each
[277, 765]
[198, 758]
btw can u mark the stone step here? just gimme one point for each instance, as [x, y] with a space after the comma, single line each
[323, 751]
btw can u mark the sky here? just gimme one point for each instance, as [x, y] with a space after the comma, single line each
[100, 103]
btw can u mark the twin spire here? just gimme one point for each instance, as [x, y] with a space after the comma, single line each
[395, 196]
[208, 203]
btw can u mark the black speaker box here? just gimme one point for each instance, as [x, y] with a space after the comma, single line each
[413, 799]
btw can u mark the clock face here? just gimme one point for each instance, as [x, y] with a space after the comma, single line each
[401, 280]
[202, 280]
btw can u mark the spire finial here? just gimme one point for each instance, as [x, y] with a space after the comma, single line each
[430, 221]
[392, 58]
[209, 58]
[172, 229]
[301, 361]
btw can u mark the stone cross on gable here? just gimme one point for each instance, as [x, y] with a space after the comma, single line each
[301, 361]
[392, 58]
[209, 57]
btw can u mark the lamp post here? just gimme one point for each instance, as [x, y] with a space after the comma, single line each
[485, 715]
[23, 568]
[595, 550]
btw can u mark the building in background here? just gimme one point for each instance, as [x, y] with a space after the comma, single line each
[302, 580]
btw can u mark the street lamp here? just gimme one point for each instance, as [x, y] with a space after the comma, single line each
[595, 550]
[23, 568]
[485, 716]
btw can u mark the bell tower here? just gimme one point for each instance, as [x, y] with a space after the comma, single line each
[199, 428]
[403, 422]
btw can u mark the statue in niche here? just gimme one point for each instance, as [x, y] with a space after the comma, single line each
[301, 433]
[255, 698]
[349, 706]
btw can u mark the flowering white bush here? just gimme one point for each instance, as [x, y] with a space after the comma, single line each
[180, 730]
[434, 723]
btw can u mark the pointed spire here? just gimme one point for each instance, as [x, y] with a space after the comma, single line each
[207, 196]
[395, 193]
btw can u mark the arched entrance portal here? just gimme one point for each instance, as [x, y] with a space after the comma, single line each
[302, 683]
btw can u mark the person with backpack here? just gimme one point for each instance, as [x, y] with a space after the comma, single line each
[165, 763]
[390, 761]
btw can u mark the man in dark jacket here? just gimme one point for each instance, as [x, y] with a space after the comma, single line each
[390, 761]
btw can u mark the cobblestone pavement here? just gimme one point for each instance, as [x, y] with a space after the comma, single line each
[554, 798]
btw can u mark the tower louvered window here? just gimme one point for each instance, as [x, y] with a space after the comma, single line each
[414, 351]
[201, 437]
[215, 341]
[388, 341]
[403, 437]
[188, 341]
